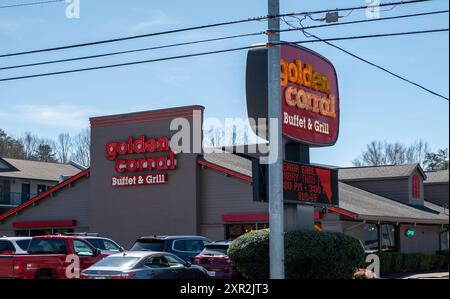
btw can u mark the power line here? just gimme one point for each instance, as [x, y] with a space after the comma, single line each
[127, 64]
[327, 41]
[211, 40]
[207, 53]
[369, 36]
[200, 27]
[385, 70]
[367, 20]
[30, 3]
[131, 51]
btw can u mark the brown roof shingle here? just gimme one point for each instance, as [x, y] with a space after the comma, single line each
[376, 172]
[34, 170]
[437, 177]
[370, 206]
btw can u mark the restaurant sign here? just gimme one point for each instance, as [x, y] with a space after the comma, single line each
[144, 155]
[309, 94]
[310, 184]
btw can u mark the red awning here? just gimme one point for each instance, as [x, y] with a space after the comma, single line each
[45, 224]
[245, 218]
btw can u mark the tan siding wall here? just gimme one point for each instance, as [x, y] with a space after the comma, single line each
[426, 239]
[220, 195]
[437, 194]
[394, 189]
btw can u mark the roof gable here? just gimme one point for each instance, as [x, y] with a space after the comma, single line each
[5, 166]
[379, 172]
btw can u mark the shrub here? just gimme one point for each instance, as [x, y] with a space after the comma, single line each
[393, 262]
[397, 263]
[250, 254]
[444, 253]
[308, 254]
[438, 262]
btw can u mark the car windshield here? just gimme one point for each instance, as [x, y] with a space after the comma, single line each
[103, 244]
[214, 250]
[148, 245]
[123, 262]
[23, 244]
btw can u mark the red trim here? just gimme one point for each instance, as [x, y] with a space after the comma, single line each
[225, 170]
[343, 212]
[43, 224]
[138, 120]
[45, 194]
[245, 218]
[144, 116]
[318, 215]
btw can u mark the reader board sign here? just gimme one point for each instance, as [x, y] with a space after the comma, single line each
[302, 184]
[310, 184]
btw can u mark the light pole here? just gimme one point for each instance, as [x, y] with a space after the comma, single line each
[276, 208]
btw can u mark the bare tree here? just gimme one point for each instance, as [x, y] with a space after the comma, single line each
[81, 148]
[30, 144]
[382, 153]
[63, 147]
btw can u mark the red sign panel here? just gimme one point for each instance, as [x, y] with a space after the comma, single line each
[310, 184]
[310, 97]
[148, 154]
[309, 94]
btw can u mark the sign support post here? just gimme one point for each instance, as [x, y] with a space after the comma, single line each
[276, 205]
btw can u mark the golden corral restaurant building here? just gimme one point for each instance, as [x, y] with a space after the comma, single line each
[137, 186]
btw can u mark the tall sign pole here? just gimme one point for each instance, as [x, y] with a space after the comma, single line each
[276, 207]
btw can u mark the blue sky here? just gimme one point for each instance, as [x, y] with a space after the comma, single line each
[375, 106]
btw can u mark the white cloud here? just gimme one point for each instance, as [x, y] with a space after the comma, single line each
[62, 116]
[157, 18]
[14, 25]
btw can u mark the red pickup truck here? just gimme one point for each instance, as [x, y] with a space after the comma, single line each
[51, 257]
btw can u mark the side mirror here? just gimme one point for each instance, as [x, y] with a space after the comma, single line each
[97, 252]
[121, 249]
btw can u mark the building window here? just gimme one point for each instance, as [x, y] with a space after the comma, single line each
[388, 237]
[41, 189]
[371, 237]
[25, 194]
[416, 187]
[444, 239]
[388, 234]
[234, 231]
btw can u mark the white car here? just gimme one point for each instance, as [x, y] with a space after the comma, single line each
[14, 245]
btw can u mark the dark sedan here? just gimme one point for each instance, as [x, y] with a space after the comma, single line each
[144, 265]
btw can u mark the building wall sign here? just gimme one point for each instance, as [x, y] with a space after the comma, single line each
[144, 155]
[410, 232]
[310, 184]
[310, 95]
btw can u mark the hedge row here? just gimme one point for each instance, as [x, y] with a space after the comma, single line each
[413, 262]
[308, 254]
